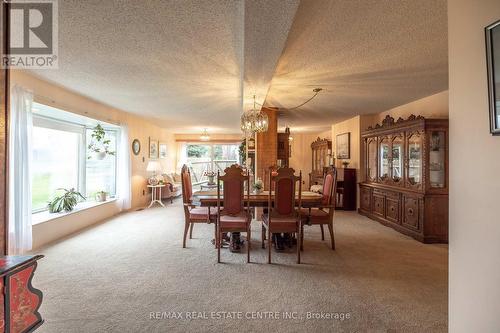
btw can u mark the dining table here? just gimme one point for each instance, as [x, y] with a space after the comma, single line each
[209, 198]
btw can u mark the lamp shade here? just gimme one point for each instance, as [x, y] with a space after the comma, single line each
[154, 166]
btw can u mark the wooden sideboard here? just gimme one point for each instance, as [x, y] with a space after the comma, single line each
[19, 300]
[406, 187]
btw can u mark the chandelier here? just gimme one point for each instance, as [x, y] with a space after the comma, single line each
[254, 121]
[205, 136]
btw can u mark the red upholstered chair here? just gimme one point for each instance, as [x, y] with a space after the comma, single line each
[193, 214]
[233, 217]
[283, 217]
[323, 215]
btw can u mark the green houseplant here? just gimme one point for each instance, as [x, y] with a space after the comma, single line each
[99, 144]
[258, 186]
[66, 201]
[101, 196]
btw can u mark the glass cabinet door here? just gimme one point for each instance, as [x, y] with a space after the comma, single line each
[397, 158]
[437, 157]
[384, 158]
[372, 159]
[414, 172]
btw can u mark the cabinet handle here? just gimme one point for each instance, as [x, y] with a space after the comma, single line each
[392, 209]
[410, 211]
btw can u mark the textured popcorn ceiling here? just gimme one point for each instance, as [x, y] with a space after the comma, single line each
[186, 63]
[369, 56]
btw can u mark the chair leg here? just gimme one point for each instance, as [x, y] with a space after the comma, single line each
[186, 227]
[219, 238]
[263, 234]
[215, 234]
[322, 232]
[249, 241]
[269, 245]
[332, 237]
[298, 240]
[191, 231]
[302, 238]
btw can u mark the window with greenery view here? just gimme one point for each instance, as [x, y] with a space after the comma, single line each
[203, 157]
[62, 159]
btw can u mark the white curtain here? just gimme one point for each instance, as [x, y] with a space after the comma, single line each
[124, 176]
[20, 131]
[181, 155]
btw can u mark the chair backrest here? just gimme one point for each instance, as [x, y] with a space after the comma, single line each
[330, 187]
[284, 183]
[233, 180]
[187, 187]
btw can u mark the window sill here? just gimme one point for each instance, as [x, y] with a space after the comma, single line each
[45, 216]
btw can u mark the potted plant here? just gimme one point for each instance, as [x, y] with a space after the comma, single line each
[99, 144]
[100, 196]
[210, 175]
[258, 186]
[67, 201]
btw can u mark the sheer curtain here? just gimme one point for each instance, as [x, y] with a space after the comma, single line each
[181, 155]
[123, 186]
[20, 131]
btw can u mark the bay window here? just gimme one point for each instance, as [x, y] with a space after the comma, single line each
[62, 159]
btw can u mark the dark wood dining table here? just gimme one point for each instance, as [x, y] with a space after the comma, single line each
[209, 199]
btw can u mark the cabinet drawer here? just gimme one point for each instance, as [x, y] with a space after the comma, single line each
[412, 212]
[392, 209]
[379, 204]
[365, 199]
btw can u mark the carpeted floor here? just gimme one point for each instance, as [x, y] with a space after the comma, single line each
[130, 273]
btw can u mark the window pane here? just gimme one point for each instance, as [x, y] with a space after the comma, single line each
[100, 173]
[55, 163]
[199, 158]
[225, 156]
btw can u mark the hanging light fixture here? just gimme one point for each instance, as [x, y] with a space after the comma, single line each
[254, 121]
[205, 136]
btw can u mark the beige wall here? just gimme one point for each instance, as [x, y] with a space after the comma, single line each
[301, 159]
[474, 275]
[434, 106]
[237, 137]
[140, 128]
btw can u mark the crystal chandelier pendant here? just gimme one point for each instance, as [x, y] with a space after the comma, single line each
[253, 121]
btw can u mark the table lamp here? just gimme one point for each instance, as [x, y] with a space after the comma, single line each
[154, 167]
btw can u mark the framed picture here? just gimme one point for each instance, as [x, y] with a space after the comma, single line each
[153, 148]
[344, 146]
[493, 66]
[136, 147]
[163, 150]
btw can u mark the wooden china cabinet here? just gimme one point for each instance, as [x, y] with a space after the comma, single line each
[406, 187]
[321, 151]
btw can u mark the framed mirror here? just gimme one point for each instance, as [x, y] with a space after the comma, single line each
[493, 66]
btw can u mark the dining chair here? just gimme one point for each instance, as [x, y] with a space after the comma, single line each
[323, 215]
[283, 217]
[193, 214]
[232, 215]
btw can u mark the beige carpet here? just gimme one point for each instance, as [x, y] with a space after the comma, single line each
[111, 277]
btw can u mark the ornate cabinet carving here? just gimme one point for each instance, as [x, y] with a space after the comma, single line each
[20, 300]
[406, 167]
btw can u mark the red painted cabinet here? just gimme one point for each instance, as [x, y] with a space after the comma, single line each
[19, 300]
